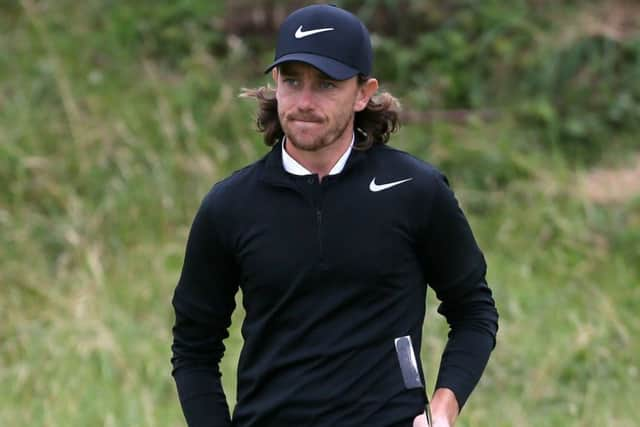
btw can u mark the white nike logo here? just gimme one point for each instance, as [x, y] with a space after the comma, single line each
[302, 34]
[375, 187]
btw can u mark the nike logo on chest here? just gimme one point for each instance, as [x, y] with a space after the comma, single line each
[381, 187]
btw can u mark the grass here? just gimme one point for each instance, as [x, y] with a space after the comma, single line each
[105, 153]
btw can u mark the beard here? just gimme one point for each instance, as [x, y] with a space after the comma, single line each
[311, 133]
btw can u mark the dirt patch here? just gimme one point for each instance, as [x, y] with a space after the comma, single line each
[612, 185]
[613, 19]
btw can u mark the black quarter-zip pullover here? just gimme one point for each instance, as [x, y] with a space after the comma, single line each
[331, 273]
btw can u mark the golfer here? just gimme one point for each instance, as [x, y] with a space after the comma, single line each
[332, 237]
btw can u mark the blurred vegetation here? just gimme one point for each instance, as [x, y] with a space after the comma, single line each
[116, 118]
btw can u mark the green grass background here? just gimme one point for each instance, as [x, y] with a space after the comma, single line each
[116, 118]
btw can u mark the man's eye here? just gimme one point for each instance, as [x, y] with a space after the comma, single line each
[327, 84]
[290, 81]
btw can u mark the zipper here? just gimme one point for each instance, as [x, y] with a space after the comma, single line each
[319, 224]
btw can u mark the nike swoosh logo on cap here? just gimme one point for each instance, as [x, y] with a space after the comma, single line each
[300, 34]
[375, 187]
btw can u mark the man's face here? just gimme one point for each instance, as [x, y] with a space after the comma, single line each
[315, 110]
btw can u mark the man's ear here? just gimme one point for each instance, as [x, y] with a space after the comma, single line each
[365, 91]
[274, 74]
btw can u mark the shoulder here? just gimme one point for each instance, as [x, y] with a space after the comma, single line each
[238, 183]
[231, 195]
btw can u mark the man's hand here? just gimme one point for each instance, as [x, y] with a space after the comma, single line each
[421, 421]
[444, 409]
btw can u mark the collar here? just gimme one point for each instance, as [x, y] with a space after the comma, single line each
[292, 166]
[274, 173]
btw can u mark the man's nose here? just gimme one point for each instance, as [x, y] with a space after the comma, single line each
[306, 100]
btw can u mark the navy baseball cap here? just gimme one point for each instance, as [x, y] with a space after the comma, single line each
[329, 38]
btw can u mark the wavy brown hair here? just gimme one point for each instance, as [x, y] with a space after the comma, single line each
[375, 123]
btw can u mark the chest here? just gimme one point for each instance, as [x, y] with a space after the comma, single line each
[342, 230]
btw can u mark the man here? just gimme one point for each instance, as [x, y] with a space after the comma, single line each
[332, 238]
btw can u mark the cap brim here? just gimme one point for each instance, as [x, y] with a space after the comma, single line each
[334, 69]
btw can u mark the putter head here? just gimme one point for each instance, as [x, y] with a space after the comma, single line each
[408, 363]
[409, 369]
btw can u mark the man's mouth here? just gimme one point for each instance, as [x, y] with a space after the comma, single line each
[306, 119]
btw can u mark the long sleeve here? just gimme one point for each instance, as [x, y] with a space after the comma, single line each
[473, 322]
[203, 303]
[455, 269]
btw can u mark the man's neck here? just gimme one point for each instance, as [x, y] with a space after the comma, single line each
[321, 162]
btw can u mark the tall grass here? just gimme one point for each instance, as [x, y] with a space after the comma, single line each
[105, 151]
